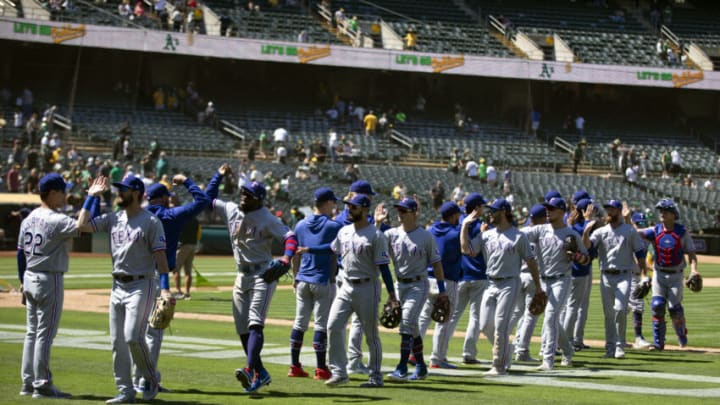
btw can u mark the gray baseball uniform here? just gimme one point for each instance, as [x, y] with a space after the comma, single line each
[133, 242]
[504, 252]
[616, 246]
[43, 240]
[411, 253]
[361, 252]
[521, 316]
[556, 281]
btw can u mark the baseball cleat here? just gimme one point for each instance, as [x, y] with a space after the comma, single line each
[121, 399]
[609, 354]
[525, 358]
[619, 353]
[322, 374]
[150, 391]
[245, 376]
[470, 360]
[337, 380]
[26, 390]
[261, 379]
[545, 366]
[357, 367]
[566, 361]
[443, 364]
[655, 348]
[297, 371]
[420, 373]
[641, 343]
[49, 391]
[398, 376]
[494, 372]
[373, 383]
[683, 341]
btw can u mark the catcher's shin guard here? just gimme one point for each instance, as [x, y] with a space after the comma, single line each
[658, 321]
[677, 315]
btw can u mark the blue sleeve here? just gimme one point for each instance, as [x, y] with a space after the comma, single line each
[320, 249]
[200, 202]
[164, 281]
[213, 188]
[641, 254]
[387, 278]
[22, 264]
[95, 208]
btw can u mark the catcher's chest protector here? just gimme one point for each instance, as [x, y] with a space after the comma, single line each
[668, 245]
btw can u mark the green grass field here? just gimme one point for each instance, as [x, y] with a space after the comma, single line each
[199, 357]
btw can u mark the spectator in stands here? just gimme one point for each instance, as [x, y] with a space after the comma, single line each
[492, 176]
[676, 162]
[688, 181]
[280, 136]
[471, 169]
[177, 17]
[579, 124]
[535, 121]
[578, 153]
[210, 114]
[384, 125]
[644, 162]
[262, 143]
[631, 174]
[198, 20]
[353, 24]
[300, 153]
[332, 114]
[437, 195]
[161, 13]
[139, 11]
[281, 154]
[370, 122]
[458, 193]
[399, 191]
[352, 173]
[318, 150]
[159, 99]
[332, 144]
[358, 115]
[709, 185]
[161, 168]
[27, 101]
[411, 39]
[482, 171]
[14, 178]
[666, 162]
[17, 118]
[339, 17]
[127, 149]
[302, 36]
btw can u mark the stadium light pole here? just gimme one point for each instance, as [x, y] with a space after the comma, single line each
[73, 89]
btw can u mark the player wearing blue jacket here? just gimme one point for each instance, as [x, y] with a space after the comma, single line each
[173, 219]
[314, 281]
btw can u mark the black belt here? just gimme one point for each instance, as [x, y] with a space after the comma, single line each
[247, 268]
[126, 278]
[499, 278]
[552, 278]
[614, 271]
[668, 271]
[357, 280]
[409, 280]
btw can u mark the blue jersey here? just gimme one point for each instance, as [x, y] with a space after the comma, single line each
[447, 237]
[173, 219]
[316, 230]
[473, 268]
[581, 270]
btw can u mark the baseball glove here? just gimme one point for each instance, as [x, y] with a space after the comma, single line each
[441, 309]
[641, 290]
[391, 315]
[163, 313]
[571, 248]
[276, 270]
[694, 282]
[537, 305]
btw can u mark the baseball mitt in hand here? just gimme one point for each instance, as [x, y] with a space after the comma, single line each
[694, 282]
[163, 313]
[641, 290]
[441, 309]
[276, 270]
[538, 303]
[571, 248]
[391, 315]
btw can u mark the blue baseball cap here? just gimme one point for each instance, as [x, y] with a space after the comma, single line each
[667, 204]
[52, 181]
[579, 195]
[613, 204]
[538, 211]
[583, 204]
[362, 187]
[472, 201]
[158, 190]
[639, 218]
[552, 194]
[556, 202]
[359, 200]
[323, 194]
[131, 182]
[448, 209]
[500, 204]
[407, 203]
[255, 188]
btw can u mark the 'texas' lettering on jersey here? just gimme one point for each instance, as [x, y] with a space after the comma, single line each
[499, 244]
[549, 242]
[127, 236]
[614, 241]
[357, 248]
[406, 248]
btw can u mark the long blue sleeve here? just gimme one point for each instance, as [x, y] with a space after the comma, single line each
[95, 208]
[201, 200]
[387, 278]
[21, 264]
[213, 188]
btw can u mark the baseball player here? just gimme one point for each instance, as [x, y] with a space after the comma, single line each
[355, 364]
[556, 269]
[671, 241]
[363, 249]
[504, 247]
[447, 239]
[471, 288]
[252, 228]
[137, 246]
[616, 243]
[412, 250]
[187, 244]
[637, 306]
[576, 310]
[521, 316]
[42, 263]
[173, 219]
[314, 282]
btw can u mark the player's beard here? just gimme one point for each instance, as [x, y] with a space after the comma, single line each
[123, 202]
[609, 219]
[356, 216]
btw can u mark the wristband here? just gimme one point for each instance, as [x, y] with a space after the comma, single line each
[87, 205]
[164, 281]
[441, 286]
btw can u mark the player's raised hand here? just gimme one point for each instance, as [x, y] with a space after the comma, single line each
[589, 210]
[380, 214]
[626, 210]
[225, 169]
[179, 179]
[476, 214]
[98, 186]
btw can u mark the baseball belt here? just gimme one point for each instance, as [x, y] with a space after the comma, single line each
[409, 280]
[126, 278]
